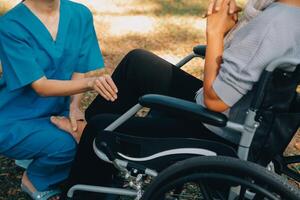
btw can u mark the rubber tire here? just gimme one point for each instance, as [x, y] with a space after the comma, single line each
[225, 165]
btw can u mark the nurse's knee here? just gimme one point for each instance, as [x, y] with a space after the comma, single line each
[65, 147]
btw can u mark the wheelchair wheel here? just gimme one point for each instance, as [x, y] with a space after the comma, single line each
[217, 177]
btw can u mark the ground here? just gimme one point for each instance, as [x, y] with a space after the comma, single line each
[169, 28]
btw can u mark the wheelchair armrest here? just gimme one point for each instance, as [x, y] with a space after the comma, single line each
[200, 50]
[183, 108]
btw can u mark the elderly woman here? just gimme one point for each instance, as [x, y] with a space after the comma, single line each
[45, 47]
[233, 64]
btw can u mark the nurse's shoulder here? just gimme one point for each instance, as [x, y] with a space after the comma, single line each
[13, 14]
[10, 23]
[79, 10]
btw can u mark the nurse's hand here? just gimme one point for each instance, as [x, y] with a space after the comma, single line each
[106, 87]
[75, 115]
[215, 6]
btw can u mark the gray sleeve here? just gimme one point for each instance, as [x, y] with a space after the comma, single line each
[244, 61]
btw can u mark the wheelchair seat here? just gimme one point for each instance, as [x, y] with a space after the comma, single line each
[157, 153]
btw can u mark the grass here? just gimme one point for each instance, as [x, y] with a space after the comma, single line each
[169, 28]
[6, 5]
[3, 8]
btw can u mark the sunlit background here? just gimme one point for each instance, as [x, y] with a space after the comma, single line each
[169, 28]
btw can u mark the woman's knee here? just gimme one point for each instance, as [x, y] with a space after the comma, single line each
[137, 60]
[100, 122]
[136, 54]
[95, 125]
[147, 63]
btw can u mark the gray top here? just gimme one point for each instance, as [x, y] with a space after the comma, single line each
[273, 33]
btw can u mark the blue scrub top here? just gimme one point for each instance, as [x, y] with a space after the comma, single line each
[28, 52]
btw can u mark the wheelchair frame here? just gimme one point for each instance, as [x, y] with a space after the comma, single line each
[247, 131]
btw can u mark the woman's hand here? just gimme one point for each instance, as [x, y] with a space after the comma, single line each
[105, 86]
[215, 6]
[221, 22]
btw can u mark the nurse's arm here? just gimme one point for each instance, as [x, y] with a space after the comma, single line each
[48, 87]
[75, 113]
[77, 97]
[104, 85]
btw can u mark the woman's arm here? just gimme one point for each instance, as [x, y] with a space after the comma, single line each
[213, 61]
[218, 24]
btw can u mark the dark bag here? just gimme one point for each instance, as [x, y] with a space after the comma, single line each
[279, 117]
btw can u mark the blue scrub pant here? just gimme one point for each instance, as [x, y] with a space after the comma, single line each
[51, 149]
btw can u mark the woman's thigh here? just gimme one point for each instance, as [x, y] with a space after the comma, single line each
[142, 72]
[147, 73]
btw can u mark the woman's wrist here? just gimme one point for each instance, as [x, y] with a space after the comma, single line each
[214, 34]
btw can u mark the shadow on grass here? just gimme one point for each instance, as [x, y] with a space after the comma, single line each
[169, 38]
[2, 10]
[158, 8]
[180, 7]
[10, 180]
[4, 7]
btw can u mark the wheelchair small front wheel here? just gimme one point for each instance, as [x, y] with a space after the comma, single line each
[219, 178]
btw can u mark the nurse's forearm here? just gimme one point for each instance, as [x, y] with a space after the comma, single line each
[47, 87]
[77, 97]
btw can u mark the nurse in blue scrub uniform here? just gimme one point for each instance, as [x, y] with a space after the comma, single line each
[45, 49]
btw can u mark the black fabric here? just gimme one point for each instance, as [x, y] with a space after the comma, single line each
[141, 72]
[279, 117]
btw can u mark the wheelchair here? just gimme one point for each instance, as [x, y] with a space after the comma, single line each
[189, 168]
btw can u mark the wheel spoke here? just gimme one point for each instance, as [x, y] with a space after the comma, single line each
[205, 191]
[184, 197]
[242, 193]
[178, 189]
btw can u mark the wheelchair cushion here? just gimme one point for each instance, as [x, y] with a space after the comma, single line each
[157, 153]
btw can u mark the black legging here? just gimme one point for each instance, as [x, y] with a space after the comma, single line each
[140, 72]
